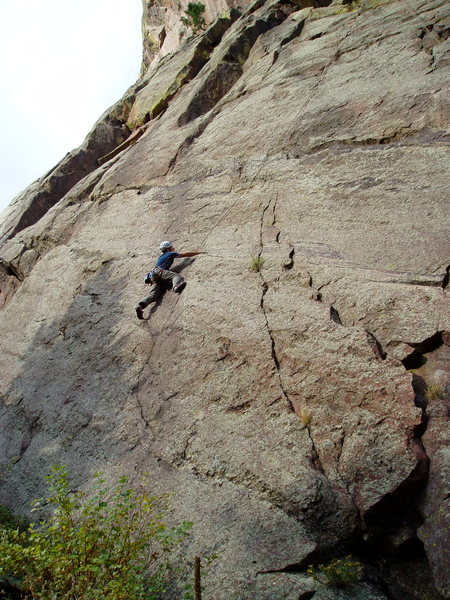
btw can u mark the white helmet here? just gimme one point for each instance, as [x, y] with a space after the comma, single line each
[165, 246]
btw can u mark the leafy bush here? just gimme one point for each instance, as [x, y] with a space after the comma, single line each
[113, 546]
[339, 572]
[194, 18]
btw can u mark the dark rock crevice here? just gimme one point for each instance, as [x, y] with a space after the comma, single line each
[376, 346]
[275, 359]
[184, 453]
[430, 37]
[416, 358]
[399, 508]
[33, 427]
[228, 70]
[334, 315]
[11, 270]
[141, 411]
[289, 265]
[200, 57]
[224, 74]
[446, 278]
[315, 458]
[391, 543]
[13, 267]
[187, 143]
[395, 565]
[315, 461]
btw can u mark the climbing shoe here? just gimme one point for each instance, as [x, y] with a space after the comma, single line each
[139, 312]
[177, 289]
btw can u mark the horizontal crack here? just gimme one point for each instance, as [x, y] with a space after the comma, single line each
[406, 134]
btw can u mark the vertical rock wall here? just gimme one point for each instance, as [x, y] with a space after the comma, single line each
[298, 411]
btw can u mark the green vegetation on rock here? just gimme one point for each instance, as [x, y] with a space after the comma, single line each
[194, 16]
[256, 264]
[110, 546]
[339, 572]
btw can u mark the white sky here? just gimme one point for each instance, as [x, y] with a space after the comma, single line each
[62, 64]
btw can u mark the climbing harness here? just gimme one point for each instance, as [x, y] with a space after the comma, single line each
[154, 276]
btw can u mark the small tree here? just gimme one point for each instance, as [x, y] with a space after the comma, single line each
[194, 16]
[112, 546]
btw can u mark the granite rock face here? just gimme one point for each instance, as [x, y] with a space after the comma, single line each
[299, 410]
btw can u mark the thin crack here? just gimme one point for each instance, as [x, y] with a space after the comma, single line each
[274, 210]
[346, 483]
[375, 345]
[446, 278]
[191, 435]
[265, 287]
[316, 463]
[137, 386]
[261, 244]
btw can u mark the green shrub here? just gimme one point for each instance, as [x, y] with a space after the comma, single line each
[338, 573]
[112, 546]
[194, 16]
[256, 263]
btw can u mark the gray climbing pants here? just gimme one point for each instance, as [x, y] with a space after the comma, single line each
[157, 288]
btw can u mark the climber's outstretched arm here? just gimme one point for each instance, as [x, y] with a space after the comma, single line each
[187, 254]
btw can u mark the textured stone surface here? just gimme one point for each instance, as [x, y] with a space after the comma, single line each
[163, 30]
[432, 379]
[275, 404]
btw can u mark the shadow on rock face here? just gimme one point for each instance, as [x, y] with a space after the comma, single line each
[61, 405]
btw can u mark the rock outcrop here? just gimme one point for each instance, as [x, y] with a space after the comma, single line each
[299, 411]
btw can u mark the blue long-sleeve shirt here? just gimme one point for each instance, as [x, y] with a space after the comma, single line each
[165, 261]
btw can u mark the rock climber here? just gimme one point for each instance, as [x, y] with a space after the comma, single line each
[160, 277]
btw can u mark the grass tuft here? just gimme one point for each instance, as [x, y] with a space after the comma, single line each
[305, 417]
[434, 392]
[256, 263]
